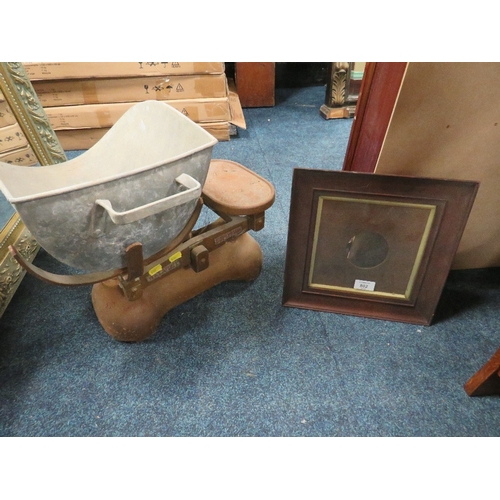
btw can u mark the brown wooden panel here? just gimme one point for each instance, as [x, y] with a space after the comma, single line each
[255, 83]
[485, 382]
[376, 101]
[445, 124]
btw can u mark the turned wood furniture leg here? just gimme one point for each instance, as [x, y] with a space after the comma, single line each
[132, 321]
[486, 381]
[338, 100]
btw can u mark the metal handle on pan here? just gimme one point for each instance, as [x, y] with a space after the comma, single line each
[193, 192]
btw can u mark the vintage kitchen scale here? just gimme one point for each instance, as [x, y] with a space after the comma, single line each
[125, 214]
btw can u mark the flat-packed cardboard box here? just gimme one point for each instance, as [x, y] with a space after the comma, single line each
[105, 115]
[220, 130]
[6, 116]
[85, 138]
[73, 92]
[68, 70]
[22, 157]
[237, 117]
[12, 138]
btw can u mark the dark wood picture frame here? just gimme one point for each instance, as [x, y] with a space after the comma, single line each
[378, 246]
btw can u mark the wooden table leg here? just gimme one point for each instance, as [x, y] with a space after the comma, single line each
[486, 382]
[339, 103]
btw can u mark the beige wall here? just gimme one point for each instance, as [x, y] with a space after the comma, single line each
[359, 66]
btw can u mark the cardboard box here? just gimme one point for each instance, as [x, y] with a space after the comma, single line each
[220, 130]
[68, 70]
[85, 138]
[73, 92]
[237, 117]
[105, 115]
[23, 157]
[6, 116]
[12, 138]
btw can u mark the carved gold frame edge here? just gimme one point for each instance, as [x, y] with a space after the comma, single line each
[24, 104]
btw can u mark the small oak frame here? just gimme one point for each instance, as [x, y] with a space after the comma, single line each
[378, 246]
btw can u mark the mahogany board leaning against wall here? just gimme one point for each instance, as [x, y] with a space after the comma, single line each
[444, 123]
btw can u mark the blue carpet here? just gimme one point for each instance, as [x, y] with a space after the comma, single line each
[233, 361]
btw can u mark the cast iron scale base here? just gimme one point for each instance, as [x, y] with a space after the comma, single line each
[131, 302]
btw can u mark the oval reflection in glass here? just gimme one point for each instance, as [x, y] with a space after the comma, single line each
[367, 249]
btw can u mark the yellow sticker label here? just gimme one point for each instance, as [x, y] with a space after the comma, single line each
[174, 257]
[155, 270]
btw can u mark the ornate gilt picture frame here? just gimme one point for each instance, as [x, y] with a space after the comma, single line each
[379, 246]
[21, 98]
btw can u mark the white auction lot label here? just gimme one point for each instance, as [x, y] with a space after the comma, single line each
[369, 286]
